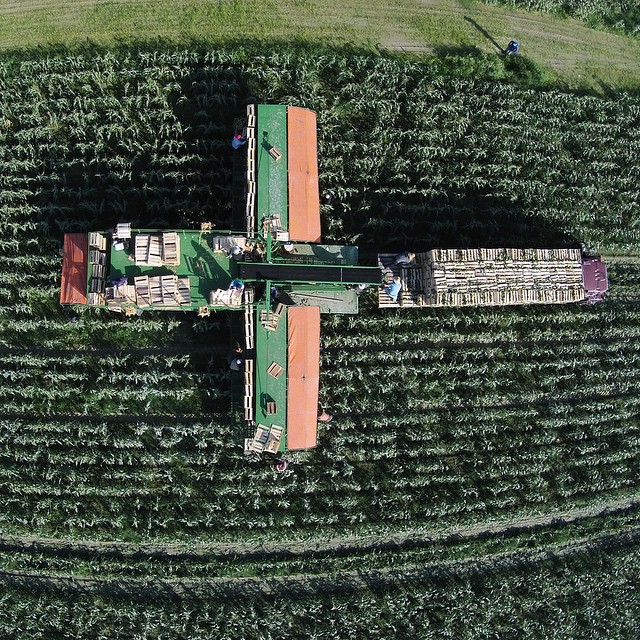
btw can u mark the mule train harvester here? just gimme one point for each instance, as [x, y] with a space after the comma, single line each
[279, 274]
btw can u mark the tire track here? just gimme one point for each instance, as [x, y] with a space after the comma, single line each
[317, 547]
[304, 585]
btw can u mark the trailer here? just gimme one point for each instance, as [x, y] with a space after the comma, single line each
[490, 277]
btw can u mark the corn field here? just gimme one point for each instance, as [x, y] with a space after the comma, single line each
[473, 452]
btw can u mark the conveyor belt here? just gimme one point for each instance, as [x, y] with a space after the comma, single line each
[309, 273]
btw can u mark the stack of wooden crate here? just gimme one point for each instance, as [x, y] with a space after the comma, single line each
[167, 291]
[154, 250]
[120, 297]
[250, 207]
[97, 268]
[266, 439]
[171, 248]
[249, 343]
[270, 319]
[465, 277]
[143, 297]
[225, 297]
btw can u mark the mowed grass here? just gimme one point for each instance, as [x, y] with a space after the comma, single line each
[566, 49]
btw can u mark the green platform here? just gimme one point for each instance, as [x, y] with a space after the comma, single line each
[206, 268]
[271, 346]
[272, 196]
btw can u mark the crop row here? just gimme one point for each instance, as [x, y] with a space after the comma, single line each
[440, 414]
[392, 136]
[181, 561]
[573, 592]
[463, 464]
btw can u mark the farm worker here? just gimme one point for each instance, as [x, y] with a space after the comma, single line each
[238, 141]
[236, 359]
[328, 197]
[393, 288]
[404, 258]
[237, 285]
[512, 48]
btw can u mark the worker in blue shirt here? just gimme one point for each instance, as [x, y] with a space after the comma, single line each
[512, 48]
[238, 141]
[392, 289]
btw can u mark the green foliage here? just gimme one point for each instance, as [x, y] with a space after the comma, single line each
[475, 65]
[575, 591]
[525, 71]
[452, 420]
[436, 152]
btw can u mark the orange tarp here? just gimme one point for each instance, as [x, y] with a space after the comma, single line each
[73, 289]
[303, 376]
[302, 154]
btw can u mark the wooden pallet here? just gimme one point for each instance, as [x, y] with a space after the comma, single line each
[123, 231]
[184, 291]
[97, 241]
[169, 290]
[143, 298]
[171, 248]
[275, 370]
[260, 438]
[273, 440]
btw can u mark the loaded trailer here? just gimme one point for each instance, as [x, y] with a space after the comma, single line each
[489, 277]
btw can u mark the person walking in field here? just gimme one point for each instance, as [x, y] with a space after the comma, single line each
[512, 48]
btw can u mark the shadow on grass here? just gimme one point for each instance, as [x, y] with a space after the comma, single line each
[485, 33]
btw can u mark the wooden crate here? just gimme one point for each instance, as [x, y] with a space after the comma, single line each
[275, 370]
[143, 298]
[171, 248]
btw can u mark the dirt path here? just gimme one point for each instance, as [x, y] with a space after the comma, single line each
[565, 47]
[621, 259]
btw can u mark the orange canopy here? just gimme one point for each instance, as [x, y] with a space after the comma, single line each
[303, 376]
[73, 289]
[302, 153]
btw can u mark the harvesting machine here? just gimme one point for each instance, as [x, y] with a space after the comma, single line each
[276, 272]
